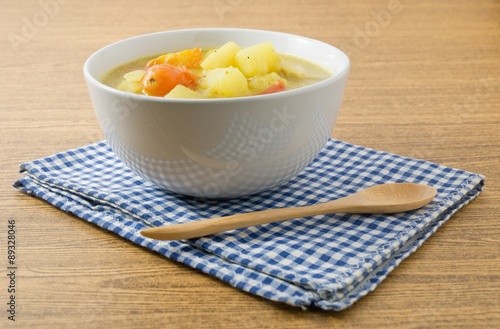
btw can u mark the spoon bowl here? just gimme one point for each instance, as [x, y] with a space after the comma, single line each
[393, 198]
[378, 199]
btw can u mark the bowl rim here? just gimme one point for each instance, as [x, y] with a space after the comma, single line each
[139, 97]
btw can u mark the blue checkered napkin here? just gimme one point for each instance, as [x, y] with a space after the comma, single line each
[327, 261]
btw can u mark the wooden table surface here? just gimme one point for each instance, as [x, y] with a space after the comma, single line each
[425, 83]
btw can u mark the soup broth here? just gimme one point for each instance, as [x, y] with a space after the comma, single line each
[228, 71]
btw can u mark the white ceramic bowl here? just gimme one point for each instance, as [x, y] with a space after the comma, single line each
[217, 148]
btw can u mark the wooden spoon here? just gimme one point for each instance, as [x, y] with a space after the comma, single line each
[379, 199]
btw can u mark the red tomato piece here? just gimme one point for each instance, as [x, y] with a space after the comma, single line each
[277, 87]
[160, 79]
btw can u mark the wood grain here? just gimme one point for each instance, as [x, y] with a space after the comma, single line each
[425, 83]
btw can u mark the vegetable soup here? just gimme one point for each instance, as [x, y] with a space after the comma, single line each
[228, 71]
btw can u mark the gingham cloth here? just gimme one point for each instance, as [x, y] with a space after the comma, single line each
[328, 261]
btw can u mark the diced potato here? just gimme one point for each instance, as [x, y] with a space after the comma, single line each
[123, 86]
[181, 91]
[295, 68]
[134, 76]
[224, 82]
[258, 60]
[197, 71]
[222, 57]
[291, 69]
[131, 87]
[135, 87]
[259, 83]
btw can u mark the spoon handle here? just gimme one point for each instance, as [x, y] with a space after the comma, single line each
[215, 225]
[384, 198]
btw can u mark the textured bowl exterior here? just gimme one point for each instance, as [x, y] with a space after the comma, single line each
[217, 148]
